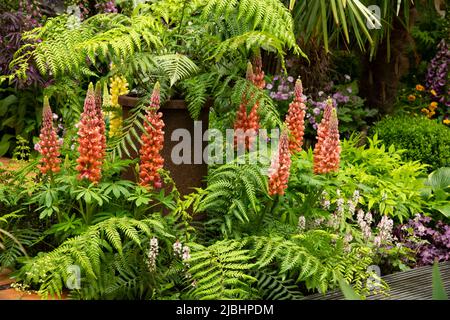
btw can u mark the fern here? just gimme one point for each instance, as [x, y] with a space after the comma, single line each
[272, 286]
[220, 271]
[50, 270]
[12, 245]
[269, 16]
[232, 193]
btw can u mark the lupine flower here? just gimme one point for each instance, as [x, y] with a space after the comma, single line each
[295, 120]
[90, 146]
[152, 254]
[119, 86]
[246, 126]
[280, 167]
[327, 150]
[152, 143]
[48, 145]
[258, 73]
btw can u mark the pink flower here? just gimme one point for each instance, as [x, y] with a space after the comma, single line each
[152, 143]
[48, 145]
[327, 149]
[90, 140]
[295, 120]
[279, 170]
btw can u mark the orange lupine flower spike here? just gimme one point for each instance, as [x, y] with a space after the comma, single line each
[90, 140]
[327, 150]
[152, 143]
[258, 73]
[241, 122]
[48, 144]
[295, 120]
[279, 170]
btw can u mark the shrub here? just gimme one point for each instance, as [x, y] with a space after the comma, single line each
[423, 139]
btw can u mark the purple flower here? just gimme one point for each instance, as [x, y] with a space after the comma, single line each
[290, 79]
[37, 147]
[269, 86]
[316, 111]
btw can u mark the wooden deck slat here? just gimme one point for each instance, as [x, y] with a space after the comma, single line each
[415, 284]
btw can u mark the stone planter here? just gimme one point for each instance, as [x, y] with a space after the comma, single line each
[175, 116]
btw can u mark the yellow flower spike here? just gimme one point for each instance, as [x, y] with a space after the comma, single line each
[446, 121]
[433, 92]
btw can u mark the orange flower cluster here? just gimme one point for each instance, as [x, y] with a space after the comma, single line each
[248, 125]
[279, 170]
[90, 140]
[152, 143]
[431, 110]
[327, 150]
[48, 143]
[295, 119]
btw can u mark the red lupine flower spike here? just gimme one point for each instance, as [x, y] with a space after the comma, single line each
[248, 124]
[49, 144]
[90, 140]
[327, 150]
[295, 120]
[258, 73]
[279, 170]
[152, 144]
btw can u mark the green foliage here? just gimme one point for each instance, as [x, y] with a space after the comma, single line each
[220, 271]
[424, 140]
[50, 271]
[387, 184]
[268, 20]
[438, 287]
[272, 286]
[233, 195]
[437, 191]
[348, 21]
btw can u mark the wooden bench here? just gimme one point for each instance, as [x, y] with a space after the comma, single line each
[414, 284]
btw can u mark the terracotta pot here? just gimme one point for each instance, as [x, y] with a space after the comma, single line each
[175, 116]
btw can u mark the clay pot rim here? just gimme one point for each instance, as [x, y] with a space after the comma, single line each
[177, 104]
